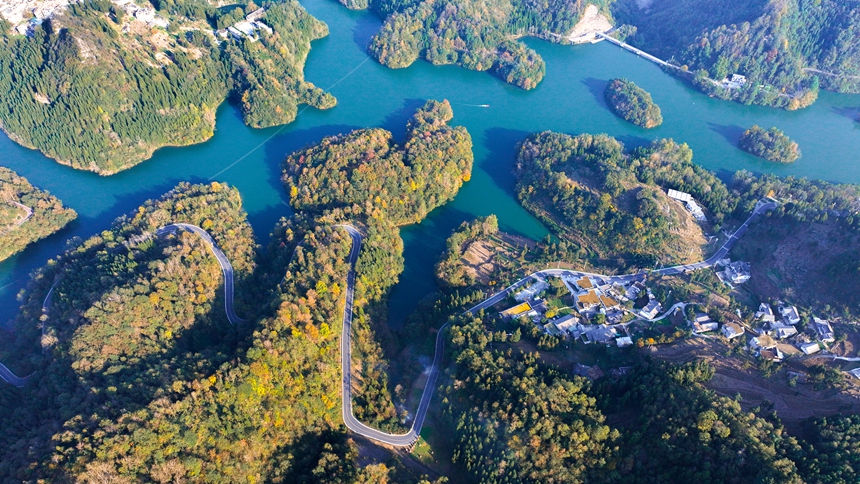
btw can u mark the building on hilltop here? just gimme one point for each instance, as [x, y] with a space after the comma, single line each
[702, 324]
[516, 310]
[737, 272]
[782, 330]
[809, 348]
[584, 283]
[765, 347]
[689, 202]
[531, 291]
[587, 301]
[600, 334]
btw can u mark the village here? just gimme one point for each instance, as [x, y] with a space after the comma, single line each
[25, 16]
[622, 311]
[589, 309]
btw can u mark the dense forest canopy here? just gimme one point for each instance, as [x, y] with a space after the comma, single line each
[518, 420]
[139, 376]
[368, 169]
[786, 49]
[771, 144]
[632, 103]
[27, 214]
[100, 91]
[512, 417]
[477, 35]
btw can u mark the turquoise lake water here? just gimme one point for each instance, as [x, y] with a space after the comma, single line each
[570, 100]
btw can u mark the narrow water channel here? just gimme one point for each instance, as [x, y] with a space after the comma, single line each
[569, 100]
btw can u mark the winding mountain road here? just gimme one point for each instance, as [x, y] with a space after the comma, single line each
[398, 440]
[407, 439]
[226, 268]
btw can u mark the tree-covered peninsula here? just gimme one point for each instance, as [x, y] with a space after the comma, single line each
[140, 377]
[632, 103]
[99, 89]
[477, 35]
[771, 144]
[784, 51]
[27, 214]
[611, 204]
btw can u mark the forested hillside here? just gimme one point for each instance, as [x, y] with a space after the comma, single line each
[787, 49]
[610, 203]
[477, 35]
[27, 214]
[140, 377]
[518, 420]
[513, 417]
[99, 90]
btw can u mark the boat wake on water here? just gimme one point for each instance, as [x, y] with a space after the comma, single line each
[475, 105]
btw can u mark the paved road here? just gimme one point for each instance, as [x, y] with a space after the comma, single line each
[636, 51]
[19, 222]
[11, 378]
[830, 74]
[399, 440]
[226, 268]
[761, 207]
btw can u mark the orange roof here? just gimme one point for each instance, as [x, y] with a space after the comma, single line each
[588, 298]
[585, 283]
[518, 309]
[608, 301]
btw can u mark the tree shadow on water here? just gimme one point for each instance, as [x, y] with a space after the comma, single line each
[366, 26]
[597, 87]
[732, 133]
[848, 112]
[502, 145]
[396, 121]
[631, 142]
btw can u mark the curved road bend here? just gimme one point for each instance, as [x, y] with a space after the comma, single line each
[399, 440]
[19, 222]
[761, 207]
[226, 268]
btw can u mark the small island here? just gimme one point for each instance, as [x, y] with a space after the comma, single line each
[771, 144]
[632, 103]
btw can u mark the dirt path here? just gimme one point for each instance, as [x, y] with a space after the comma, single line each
[592, 22]
[793, 405]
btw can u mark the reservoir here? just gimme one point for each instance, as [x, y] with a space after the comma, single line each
[570, 100]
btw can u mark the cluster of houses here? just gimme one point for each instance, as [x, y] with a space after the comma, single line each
[248, 28]
[26, 15]
[781, 325]
[690, 203]
[591, 296]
